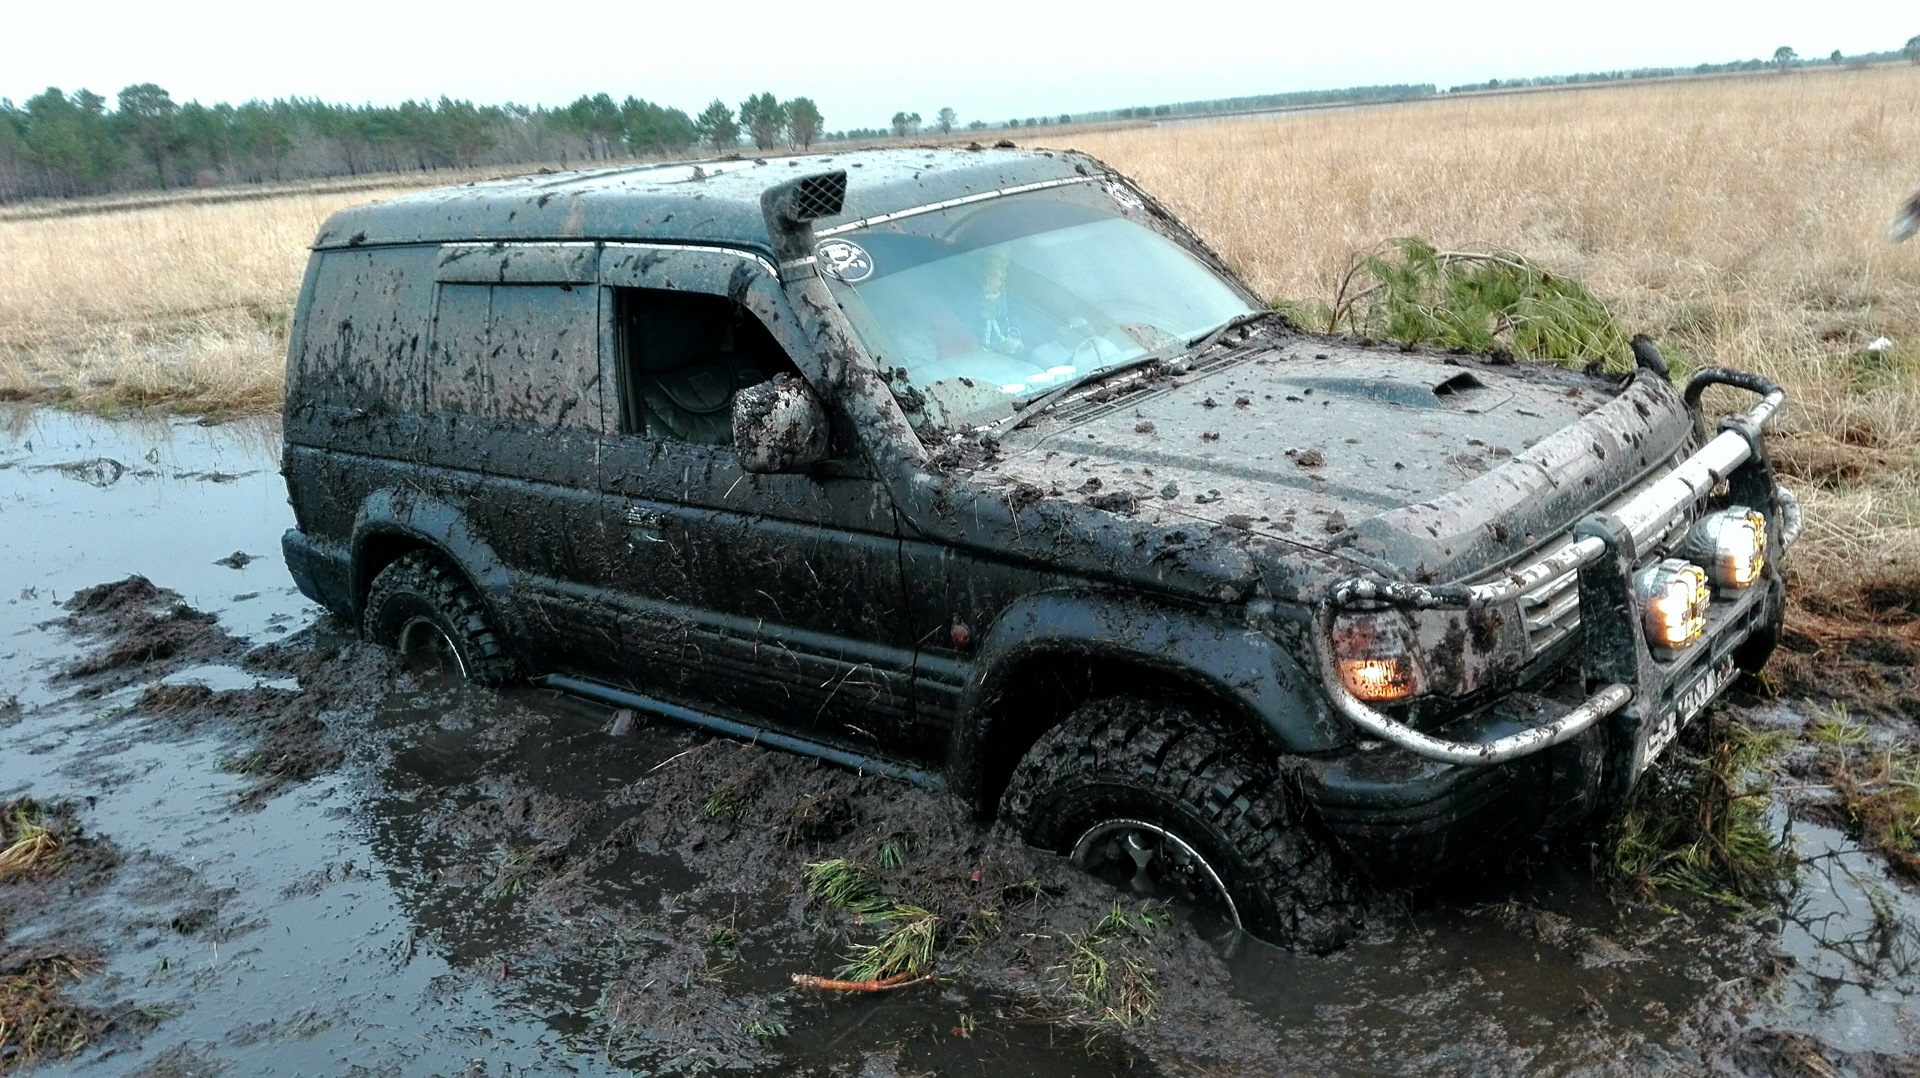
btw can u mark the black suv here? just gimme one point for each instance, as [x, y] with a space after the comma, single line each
[976, 468]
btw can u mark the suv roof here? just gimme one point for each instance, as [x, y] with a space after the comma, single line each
[711, 201]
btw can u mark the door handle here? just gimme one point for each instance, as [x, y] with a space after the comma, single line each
[645, 523]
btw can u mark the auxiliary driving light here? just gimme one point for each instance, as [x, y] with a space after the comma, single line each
[1731, 545]
[1376, 659]
[1378, 679]
[1673, 595]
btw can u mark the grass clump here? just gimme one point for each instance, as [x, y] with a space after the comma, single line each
[1109, 982]
[895, 848]
[735, 796]
[1878, 790]
[1835, 729]
[905, 949]
[1491, 301]
[923, 918]
[1697, 825]
[766, 1032]
[912, 933]
[844, 884]
[28, 844]
[511, 869]
[36, 1021]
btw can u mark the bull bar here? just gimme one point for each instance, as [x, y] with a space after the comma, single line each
[1603, 550]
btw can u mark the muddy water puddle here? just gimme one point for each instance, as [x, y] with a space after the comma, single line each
[324, 865]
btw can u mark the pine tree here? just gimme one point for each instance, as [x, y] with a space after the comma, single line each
[803, 122]
[716, 126]
[764, 117]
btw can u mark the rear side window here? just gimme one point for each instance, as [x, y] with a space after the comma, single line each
[365, 330]
[526, 352]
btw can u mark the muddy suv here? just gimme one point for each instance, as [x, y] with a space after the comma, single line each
[977, 469]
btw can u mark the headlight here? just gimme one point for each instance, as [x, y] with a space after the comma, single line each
[1731, 545]
[1673, 599]
[1376, 658]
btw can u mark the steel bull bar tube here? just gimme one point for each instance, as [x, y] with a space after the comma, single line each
[1639, 522]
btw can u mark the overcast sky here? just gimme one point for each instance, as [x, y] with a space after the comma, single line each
[861, 60]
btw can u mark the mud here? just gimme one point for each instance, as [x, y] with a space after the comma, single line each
[147, 630]
[314, 862]
[37, 1020]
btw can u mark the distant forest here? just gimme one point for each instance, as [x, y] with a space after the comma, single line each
[60, 144]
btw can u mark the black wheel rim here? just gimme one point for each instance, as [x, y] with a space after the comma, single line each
[1153, 862]
[427, 649]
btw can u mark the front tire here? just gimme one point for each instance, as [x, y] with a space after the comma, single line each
[423, 608]
[1153, 798]
[1752, 654]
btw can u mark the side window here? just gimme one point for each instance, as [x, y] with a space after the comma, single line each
[683, 355]
[526, 352]
[365, 329]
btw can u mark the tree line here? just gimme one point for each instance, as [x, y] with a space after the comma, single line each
[59, 144]
[1784, 58]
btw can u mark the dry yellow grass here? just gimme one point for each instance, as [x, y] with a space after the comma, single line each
[27, 844]
[181, 305]
[1739, 222]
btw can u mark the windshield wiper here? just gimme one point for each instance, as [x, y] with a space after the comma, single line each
[1052, 396]
[1212, 337]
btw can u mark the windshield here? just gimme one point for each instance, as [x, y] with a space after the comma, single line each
[978, 307]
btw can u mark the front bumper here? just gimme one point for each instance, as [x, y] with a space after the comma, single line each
[1403, 816]
[320, 571]
[1600, 723]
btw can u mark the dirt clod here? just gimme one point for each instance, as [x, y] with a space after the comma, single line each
[141, 626]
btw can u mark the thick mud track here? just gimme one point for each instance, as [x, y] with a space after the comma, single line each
[291, 856]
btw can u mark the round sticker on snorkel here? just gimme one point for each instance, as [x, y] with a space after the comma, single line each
[845, 260]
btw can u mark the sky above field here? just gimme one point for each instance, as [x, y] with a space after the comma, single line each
[862, 60]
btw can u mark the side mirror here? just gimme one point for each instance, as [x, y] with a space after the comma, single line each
[779, 426]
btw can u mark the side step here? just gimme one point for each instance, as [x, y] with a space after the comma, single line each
[606, 694]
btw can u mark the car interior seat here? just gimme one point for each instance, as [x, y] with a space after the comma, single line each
[688, 360]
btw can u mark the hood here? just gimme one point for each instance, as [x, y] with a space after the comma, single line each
[1427, 466]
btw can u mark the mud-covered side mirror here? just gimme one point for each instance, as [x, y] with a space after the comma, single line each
[779, 426]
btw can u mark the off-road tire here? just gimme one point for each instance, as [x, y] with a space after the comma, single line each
[1164, 764]
[1750, 658]
[421, 585]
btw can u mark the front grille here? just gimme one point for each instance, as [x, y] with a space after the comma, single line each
[1552, 610]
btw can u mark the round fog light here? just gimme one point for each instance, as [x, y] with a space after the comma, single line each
[1378, 679]
[1731, 545]
[1673, 600]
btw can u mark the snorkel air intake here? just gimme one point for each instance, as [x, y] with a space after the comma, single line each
[792, 208]
[851, 379]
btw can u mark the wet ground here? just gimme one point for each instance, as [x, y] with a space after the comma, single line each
[303, 860]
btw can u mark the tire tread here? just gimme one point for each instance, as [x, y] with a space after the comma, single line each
[446, 591]
[1303, 894]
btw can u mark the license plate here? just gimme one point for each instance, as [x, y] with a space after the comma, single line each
[1687, 703]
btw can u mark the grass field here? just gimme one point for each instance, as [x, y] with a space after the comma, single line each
[1739, 222]
[180, 306]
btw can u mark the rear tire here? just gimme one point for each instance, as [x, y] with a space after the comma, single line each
[1153, 780]
[423, 608]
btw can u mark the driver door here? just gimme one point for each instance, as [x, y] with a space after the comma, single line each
[772, 599]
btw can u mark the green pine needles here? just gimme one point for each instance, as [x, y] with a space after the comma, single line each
[1495, 302]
